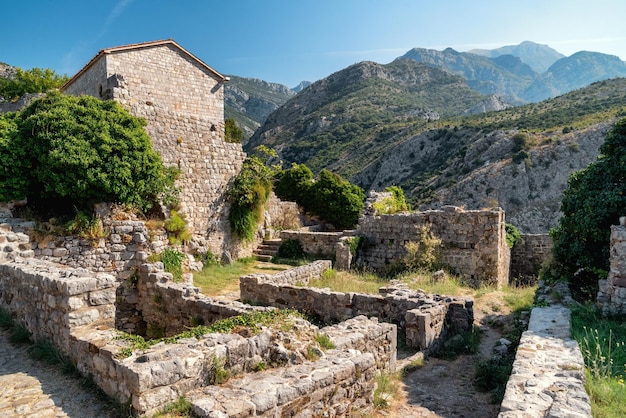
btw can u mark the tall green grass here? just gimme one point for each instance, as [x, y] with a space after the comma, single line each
[603, 345]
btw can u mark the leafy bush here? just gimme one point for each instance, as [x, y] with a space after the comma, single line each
[293, 184]
[78, 151]
[176, 227]
[512, 235]
[394, 204]
[173, 263]
[35, 80]
[291, 248]
[330, 197]
[336, 200]
[425, 253]
[86, 227]
[14, 164]
[247, 195]
[594, 200]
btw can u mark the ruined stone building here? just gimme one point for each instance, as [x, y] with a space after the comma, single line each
[182, 100]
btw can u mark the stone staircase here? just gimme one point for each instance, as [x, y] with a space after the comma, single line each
[267, 250]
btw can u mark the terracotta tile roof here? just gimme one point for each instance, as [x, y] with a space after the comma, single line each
[140, 46]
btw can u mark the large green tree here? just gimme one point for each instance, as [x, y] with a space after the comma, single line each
[594, 200]
[81, 150]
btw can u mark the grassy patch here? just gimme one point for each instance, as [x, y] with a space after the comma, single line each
[604, 351]
[217, 279]
[492, 376]
[387, 387]
[349, 281]
[181, 408]
[251, 321]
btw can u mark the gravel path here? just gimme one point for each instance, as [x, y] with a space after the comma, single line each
[29, 388]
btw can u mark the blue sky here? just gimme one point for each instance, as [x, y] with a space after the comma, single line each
[287, 41]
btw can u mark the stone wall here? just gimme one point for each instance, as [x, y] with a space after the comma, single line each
[612, 291]
[74, 308]
[548, 377]
[426, 319]
[527, 257]
[183, 104]
[474, 241]
[315, 243]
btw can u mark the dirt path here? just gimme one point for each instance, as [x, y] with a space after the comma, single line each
[444, 388]
[30, 388]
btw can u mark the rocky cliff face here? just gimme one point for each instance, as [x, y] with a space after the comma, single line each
[529, 191]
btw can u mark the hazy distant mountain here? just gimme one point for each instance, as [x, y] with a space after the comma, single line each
[576, 71]
[507, 77]
[301, 86]
[507, 71]
[249, 101]
[538, 57]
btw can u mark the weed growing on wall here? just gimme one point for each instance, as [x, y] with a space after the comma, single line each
[173, 263]
[176, 227]
[424, 253]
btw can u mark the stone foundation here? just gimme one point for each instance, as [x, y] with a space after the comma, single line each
[427, 320]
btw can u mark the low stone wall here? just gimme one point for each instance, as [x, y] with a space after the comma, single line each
[426, 319]
[169, 308]
[548, 373]
[316, 243]
[612, 292]
[474, 242]
[74, 309]
[128, 244]
[527, 257]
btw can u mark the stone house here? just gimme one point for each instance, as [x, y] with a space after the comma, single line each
[182, 100]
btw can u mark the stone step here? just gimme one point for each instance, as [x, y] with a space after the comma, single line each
[267, 250]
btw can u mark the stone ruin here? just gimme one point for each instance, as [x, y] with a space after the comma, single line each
[77, 309]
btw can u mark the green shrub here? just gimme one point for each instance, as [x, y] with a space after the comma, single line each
[294, 184]
[86, 227]
[14, 165]
[394, 204]
[247, 196]
[232, 132]
[594, 199]
[176, 227]
[336, 200]
[173, 263]
[80, 150]
[35, 80]
[512, 235]
[425, 253]
[291, 248]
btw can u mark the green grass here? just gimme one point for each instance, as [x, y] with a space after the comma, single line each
[602, 342]
[217, 279]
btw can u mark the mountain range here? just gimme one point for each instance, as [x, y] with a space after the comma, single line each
[442, 125]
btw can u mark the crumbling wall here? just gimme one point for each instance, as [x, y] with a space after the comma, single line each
[426, 319]
[474, 242]
[527, 257]
[612, 291]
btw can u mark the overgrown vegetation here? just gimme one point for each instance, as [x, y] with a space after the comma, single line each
[512, 235]
[602, 343]
[35, 80]
[393, 204]
[232, 132]
[335, 200]
[424, 253]
[248, 194]
[173, 263]
[251, 321]
[176, 228]
[594, 200]
[64, 151]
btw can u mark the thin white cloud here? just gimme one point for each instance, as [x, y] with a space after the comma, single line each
[72, 60]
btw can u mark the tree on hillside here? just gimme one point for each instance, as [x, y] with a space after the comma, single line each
[594, 200]
[232, 132]
[35, 80]
[76, 151]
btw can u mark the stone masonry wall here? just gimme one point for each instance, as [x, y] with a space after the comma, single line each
[474, 241]
[426, 319]
[527, 257]
[317, 243]
[183, 104]
[74, 308]
[612, 292]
